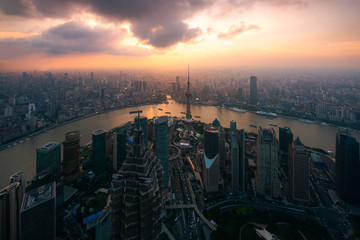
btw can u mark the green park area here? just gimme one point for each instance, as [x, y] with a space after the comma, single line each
[241, 222]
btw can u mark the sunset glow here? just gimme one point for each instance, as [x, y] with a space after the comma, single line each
[222, 33]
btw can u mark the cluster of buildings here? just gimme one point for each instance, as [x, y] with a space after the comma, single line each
[33, 101]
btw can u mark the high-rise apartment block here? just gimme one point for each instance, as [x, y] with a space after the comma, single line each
[10, 205]
[347, 167]
[267, 180]
[136, 195]
[298, 172]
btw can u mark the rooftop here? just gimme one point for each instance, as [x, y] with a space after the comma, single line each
[98, 132]
[48, 146]
[38, 196]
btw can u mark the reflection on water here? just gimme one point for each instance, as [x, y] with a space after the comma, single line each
[23, 155]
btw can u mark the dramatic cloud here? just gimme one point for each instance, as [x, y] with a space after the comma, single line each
[235, 30]
[71, 37]
[157, 22]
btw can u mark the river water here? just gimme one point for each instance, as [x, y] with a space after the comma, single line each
[22, 157]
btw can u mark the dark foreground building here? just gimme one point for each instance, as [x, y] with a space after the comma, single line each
[136, 199]
[347, 167]
[38, 214]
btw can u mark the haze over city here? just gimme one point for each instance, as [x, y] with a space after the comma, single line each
[46, 35]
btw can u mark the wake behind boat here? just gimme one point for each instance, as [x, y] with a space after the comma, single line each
[239, 110]
[267, 114]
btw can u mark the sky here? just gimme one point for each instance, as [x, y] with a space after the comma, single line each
[54, 34]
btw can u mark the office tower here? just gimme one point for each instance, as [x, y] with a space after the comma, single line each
[233, 126]
[267, 181]
[162, 146]
[119, 148]
[143, 125]
[211, 165]
[10, 204]
[102, 96]
[38, 214]
[188, 94]
[136, 195]
[92, 76]
[253, 90]
[285, 138]
[71, 155]
[238, 162]
[221, 140]
[48, 156]
[144, 86]
[99, 151]
[177, 83]
[240, 94]
[103, 229]
[235, 164]
[347, 167]
[298, 172]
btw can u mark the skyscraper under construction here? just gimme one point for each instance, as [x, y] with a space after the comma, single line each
[136, 199]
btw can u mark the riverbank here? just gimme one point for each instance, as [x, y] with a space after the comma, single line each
[44, 130]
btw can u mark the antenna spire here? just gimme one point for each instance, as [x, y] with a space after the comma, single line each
[188, 78]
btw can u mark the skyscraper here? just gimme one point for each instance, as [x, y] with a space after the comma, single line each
[136, 199]
[10, 204]
[238, 162]
[298, 172]
[48, 156]
[253, 90]
[347, 167]
[235, 157]
[233, 126]
[240, 94]
[162, 146]
[143, 125]
[211, 165]
[38, 214]
[285, 138]
[119, 148]
[267, 181]
[71, 155]
[99, 151]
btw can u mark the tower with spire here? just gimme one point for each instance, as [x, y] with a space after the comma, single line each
[188, 98]
[136, 193]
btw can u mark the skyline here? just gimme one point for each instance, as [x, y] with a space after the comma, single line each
[162, 34]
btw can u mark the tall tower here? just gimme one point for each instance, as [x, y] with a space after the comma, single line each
[188, 98]
[136, 194]
[267, 181]
[99, 151]
[298, 172]
[71, 154]
[253, 90]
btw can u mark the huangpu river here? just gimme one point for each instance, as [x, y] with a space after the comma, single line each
[22, 157]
